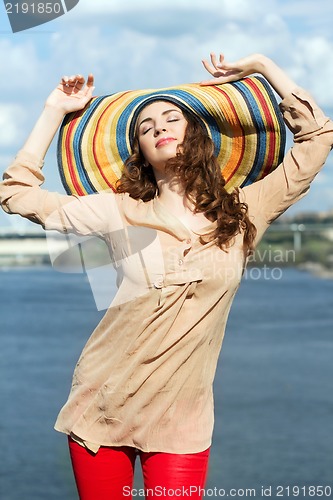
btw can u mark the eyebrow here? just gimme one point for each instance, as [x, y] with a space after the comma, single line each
[164, 113]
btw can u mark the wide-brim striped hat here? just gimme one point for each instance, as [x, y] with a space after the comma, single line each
[242, 118]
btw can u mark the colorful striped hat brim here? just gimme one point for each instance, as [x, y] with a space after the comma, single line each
[242, 118]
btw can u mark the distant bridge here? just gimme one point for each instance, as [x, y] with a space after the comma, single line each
[31, 246]
[28, 247]
[297, 230]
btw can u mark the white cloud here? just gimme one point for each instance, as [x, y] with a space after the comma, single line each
[20, 66]
[174, 18]
[320, 9]
[313, 67]
[163, 46]
[102, 7]
[12, 118]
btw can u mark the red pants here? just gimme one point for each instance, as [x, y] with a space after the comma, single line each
[108, 474]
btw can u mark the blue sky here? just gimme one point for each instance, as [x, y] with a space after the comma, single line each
[149, 44]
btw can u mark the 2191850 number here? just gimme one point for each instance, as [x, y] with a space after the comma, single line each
[34, 8]
[303, 491]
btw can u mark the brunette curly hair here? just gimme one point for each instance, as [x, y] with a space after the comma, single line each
[197, 169]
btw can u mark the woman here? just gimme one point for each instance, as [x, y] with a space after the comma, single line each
[143, 384]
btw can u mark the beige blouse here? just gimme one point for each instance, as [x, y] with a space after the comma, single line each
[144, 378]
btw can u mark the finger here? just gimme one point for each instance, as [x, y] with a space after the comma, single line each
[79, 79]
[209, 82]
[221, 61]
[208, 67]
[75, 82]
[78, 83]
[90, 80]
[64, 80]
[65, 85]
[224, 77]
[225, 66]
[90, 86]
[89, 92]
[213, 59]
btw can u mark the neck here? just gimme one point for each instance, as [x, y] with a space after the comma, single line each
[171, 194]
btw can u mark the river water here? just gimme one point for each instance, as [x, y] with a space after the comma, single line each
[273, 387]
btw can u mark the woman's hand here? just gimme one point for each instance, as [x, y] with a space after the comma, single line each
[224, 72]
[72, 94]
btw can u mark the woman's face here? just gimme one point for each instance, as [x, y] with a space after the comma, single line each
[160, 129]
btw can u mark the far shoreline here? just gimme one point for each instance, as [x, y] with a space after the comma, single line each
[314, 268]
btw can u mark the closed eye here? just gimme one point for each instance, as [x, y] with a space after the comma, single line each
[146, 130]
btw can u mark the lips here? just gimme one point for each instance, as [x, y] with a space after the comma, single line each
[164, 141]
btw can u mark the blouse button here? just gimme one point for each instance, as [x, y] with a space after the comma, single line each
[180, 262]
[158, 283]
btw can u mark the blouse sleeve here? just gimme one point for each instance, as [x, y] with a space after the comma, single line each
[21, 193]
[268, 198]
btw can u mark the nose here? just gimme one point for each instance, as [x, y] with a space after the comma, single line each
[159, 130]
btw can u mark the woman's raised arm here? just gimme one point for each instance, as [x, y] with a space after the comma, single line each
[72, 94]
[224, 72]
[20, 190]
